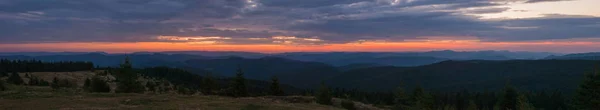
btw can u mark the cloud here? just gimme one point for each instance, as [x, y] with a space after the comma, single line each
[249, 21]
[537, 1]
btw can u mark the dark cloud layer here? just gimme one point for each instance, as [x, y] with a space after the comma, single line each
[335, 21]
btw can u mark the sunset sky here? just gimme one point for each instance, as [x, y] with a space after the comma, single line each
[271, 26]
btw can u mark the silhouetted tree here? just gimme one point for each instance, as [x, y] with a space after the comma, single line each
[275, 88]
[401, 99]
[508, 98]
[421, 100]
[523, 103]
[208, 84]
[128, 79]
[472, 105]
[239, 84]
[587, 96]
[324, 95]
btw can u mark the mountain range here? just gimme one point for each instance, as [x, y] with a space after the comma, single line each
[438, 70]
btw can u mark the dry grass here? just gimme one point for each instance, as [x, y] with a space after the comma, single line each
[42, 98]
[78, 76]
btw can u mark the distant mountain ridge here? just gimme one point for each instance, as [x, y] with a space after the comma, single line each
[578, 56]
[309, 70]
[479, 75]
[331, 58]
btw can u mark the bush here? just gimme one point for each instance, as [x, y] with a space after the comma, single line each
[15, 79]
[97, 84]
[348, 105]
[62, 83]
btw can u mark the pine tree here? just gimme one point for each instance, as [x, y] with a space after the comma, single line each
[523, 103]
[447, 107]
[421, 100]
[508, 99]
[239, 84]
[324, 95]
[401, 100]
[472, 105]
[208, 84]
[275, 89]
[128, 79]
[15, 79]
[588, 94]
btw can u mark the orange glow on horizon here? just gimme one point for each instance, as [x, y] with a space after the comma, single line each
[126, 47]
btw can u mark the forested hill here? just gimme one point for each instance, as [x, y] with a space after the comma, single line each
[297, 73]
[563, 75]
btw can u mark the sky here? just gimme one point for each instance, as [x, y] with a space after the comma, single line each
[272, 26]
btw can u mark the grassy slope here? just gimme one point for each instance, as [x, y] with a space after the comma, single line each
[40, 98]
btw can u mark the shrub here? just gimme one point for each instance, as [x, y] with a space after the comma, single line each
[97, 84]
[348, 105]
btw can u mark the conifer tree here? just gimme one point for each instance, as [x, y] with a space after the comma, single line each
[587, 96]
[15, 79]
[472, 105]
[208, 84]
[275, 89]
[508, 98]
[401, 99]
[421, 100]
[324, 95]
[239, 84]
[128, 79]
[523, 103]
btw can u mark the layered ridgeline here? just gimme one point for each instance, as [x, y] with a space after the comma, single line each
[174, 58]
[578, 56]
[480, 75]
[447, 75]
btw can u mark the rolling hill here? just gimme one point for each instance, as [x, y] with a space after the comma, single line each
[480, 75]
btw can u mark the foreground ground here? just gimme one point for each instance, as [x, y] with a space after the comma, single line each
[40, 98]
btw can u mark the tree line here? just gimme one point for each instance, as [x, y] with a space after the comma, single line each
[12, 66]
